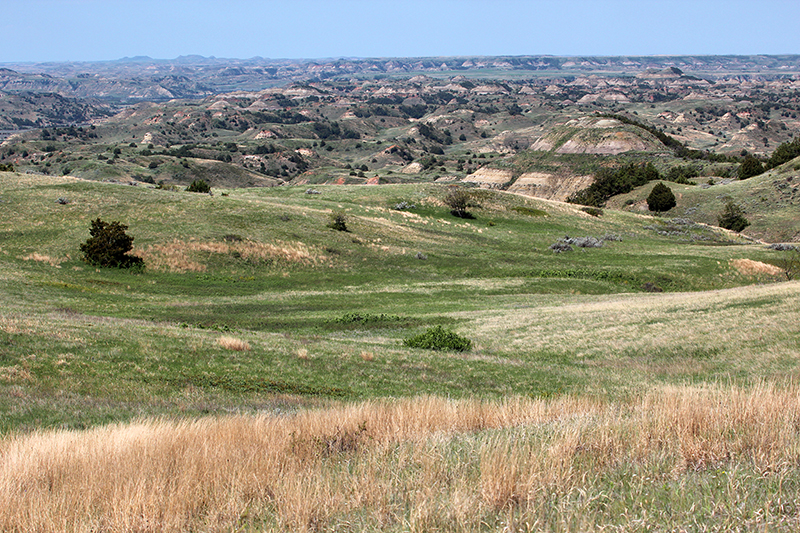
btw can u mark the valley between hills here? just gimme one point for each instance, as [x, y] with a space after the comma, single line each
[400, 294]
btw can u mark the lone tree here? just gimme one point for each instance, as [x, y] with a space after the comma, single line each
[661, 198]
[458, 201]
[732, 218]
[109, 245]
[338, 221]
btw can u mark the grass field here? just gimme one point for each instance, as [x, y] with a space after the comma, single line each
[586, 402]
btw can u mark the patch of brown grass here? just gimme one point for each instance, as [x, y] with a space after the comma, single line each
[232, 343]
[13, 374]
[187, 256]
[416, 464]
[748, 267]
[52, 261]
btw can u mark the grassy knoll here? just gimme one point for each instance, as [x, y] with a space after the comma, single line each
[586, 402]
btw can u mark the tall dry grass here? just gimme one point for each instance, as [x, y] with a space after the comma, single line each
[188, 256]
[408, 465]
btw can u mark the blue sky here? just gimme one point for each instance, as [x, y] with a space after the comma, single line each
[87, 30]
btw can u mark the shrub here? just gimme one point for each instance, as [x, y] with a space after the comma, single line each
[651, 287]
[338, 221]
[199, 186]
[109, 245]
[458, 201]
[438, 338]
[732, 218]
[594, 211]
[661, 198]
[790, 262]
[750, 167]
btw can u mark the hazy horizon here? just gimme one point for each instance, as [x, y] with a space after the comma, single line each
[39, 31]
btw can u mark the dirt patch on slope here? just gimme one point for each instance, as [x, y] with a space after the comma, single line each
[491, 178]
[549, 186]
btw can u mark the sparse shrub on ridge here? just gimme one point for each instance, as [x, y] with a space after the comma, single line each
[440, 339]
[593, 211]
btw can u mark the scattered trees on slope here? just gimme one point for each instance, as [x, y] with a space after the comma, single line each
[610, 182]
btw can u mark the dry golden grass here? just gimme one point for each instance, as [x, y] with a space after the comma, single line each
[749, 267]
[188, 256]
[232, 343]
[411, 465]
[52, 261]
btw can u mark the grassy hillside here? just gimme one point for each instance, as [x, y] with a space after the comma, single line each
[586, 401]
[769, 201]
[324, 312]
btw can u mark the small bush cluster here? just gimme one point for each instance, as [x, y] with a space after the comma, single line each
[199, 186]
[366, 318]
[732, 218]
[440, 339]
[611, 182]
[781, 247]
[338, 221]
[458, 201]
[651, 287]
[594, 211]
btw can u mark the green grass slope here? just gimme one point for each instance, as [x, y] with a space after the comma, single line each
[249, 301]
[770, 201]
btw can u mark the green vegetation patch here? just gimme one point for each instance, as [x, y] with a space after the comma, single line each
[529, 211]
[440, 339]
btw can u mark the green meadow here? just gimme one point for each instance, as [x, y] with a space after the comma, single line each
[250, 302]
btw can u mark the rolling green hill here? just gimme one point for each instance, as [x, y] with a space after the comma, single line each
[323, 313]
[770, 201]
